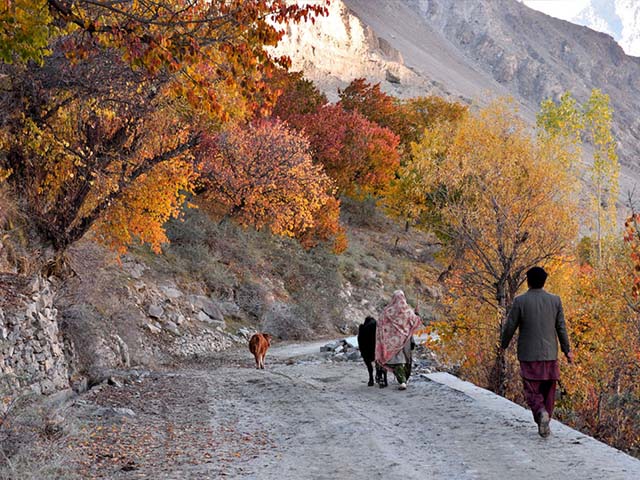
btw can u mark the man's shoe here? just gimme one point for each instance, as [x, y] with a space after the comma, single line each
[403, 386]
[543, 425]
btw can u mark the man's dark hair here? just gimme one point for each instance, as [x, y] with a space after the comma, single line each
[536, 277]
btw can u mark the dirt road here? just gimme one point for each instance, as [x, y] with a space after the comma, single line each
[308, 418]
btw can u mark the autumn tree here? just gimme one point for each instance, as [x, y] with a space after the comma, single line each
[359, 155]
[296, 95]
[503, 205]
[377, 106]
[406, 118]
[262, 175]
[436, 121]
[589, 123]
[420, 113]
[27, 29]
[81, 149]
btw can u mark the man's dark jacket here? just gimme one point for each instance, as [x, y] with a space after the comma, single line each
[540, 318]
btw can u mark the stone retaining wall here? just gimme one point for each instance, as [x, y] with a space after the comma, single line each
[32, 357]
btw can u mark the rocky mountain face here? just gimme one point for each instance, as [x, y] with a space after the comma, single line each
[536, 56]
[339, 47]
[474, 50]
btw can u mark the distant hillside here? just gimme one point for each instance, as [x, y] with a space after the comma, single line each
[618, 18]
[473, 49]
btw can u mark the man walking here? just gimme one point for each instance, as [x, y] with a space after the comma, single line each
[539, 317]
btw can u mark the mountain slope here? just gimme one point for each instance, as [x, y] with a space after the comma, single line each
[476, 49]
[529, 54]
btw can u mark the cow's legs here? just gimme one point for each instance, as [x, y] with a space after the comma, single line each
[381, 376]
[370, 370]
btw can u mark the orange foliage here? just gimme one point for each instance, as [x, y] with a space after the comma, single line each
[297, 96]
[262, 175]
[406, 118]
[146, 206]
[117, 154]
[326, 228]
[603, 393]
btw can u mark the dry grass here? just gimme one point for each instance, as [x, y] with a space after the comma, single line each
[292, 292]
[29, 448]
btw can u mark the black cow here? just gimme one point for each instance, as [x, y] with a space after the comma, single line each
[367, 346]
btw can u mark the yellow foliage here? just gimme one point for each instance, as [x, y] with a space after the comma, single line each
[503, 202]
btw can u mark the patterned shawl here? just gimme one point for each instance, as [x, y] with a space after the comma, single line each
[395, 327]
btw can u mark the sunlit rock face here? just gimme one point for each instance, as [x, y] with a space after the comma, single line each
[339, 47]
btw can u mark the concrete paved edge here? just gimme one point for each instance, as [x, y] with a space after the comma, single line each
[506, 408]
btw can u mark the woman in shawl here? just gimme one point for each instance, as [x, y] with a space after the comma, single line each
[393, 337]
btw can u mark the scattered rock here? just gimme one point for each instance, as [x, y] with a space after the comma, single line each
[123, 350]
[153, 328]
[245, 333]
[342, 350]
[177, 318]
[340, 357]
[171, 327]
[114, 412]
[392, 78]
[213, 311]
[330, 347]
[171, 292]
[202, 304]
[230, 309]
[80, 384]
[54, 425]
[155, 311]
[134, 268]
[115, 382]
[353, 355]
[352, 341]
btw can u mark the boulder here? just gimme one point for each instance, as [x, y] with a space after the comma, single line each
[353, 355]
[352, 342]
[171, 292]
[153, 328]
[244, 332]
[330, 347]
[171, 327]
[200, 303]
[230, 309]
[155, 311]
[177, 318]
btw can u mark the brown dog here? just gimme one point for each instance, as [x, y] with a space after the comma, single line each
[258, 345]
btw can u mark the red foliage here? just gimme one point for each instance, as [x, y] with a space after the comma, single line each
[297, 96]
[375, 105]
[359, 155]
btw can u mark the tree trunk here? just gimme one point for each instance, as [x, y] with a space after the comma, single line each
[498, 377]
